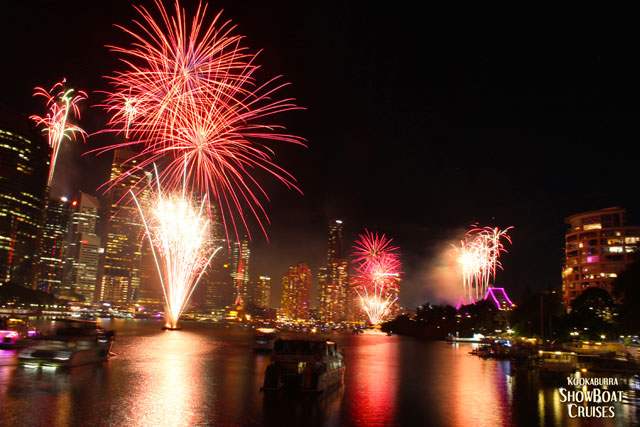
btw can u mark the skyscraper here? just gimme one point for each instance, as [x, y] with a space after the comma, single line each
[262, 291]
[355, 312]
[23, 177]
[56, 227]
[296, 292]
[333, 279]
[240, 270]
[82, 249]
[120, 276]
[335, 241]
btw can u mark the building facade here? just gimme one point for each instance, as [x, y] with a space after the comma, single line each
[24, 164]
[124, 230]
[296, 292]
[599, 245]
[82, 249]
[240, 255]
[51, 260]
[333, 279]
[262, 291]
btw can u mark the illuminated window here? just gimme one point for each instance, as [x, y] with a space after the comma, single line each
[592, 226]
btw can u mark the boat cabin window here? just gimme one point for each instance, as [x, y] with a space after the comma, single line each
[84, 345]
[299, 347]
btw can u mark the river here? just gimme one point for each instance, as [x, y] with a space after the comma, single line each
[208, 375]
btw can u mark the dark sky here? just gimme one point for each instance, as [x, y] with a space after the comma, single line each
[419, 122]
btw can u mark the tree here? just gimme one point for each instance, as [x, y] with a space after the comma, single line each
[594, 313]
[626, 290]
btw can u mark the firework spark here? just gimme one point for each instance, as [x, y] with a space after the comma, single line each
[478, 259]
[61, 104]
[189, 91]
[377, 275]
[178, 233]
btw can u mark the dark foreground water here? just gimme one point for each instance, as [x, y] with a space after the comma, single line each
[208, 375]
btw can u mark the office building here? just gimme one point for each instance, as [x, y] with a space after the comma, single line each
[124, 230]
[82, 249]
[55, 230]
[240, 270]
[262, 291]
[296, 292]
[333, 279]
[24, 165]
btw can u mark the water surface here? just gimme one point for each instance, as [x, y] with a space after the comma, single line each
[208, 375]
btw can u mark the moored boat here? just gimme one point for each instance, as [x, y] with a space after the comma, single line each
[557, 361]
[77, 342]
[308, 365]
[16, 333]
[264, 339]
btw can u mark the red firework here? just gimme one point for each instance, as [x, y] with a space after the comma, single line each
[189, 94]
[377, 274]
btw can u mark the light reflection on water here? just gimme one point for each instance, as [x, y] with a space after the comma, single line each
[208, 375]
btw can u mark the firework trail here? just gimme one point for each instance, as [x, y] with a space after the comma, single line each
[61, 103]
[178, 233]
[189, 91]
[377, 274]
[478, 259]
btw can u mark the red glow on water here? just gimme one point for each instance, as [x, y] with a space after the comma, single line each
[373, 384]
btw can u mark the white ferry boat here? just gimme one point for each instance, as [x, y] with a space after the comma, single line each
[308, 365]
[264, 339]
[77, 342]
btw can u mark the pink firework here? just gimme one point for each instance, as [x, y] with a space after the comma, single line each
[62, 105]
[377, 275]
[189, 92]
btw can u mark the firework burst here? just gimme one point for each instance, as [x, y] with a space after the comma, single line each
[179, 235]
[189, 91]
[62, 104]
[478, 259]
[377, 274]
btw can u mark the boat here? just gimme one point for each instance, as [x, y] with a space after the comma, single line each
[307, 365]
[264, 339]
[16, 333]
[557, 361]
[75, 343]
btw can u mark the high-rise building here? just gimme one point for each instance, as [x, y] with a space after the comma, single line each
[296, 292]
[355, 312]
[82, 249]
[150, 292]
[262, 291]
[599, 246]
[55, 230]
[335, 241]
[285, 302]
[240, 270]
[24, 164]
[124, 229]
[333, 279]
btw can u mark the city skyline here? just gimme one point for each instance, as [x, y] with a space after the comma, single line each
[466, 144]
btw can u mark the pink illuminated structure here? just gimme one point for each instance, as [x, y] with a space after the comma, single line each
[499, 297]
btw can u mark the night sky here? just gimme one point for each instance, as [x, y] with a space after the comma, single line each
[419, 122]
